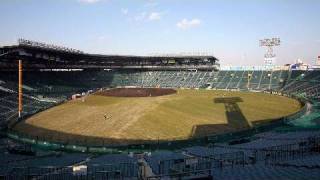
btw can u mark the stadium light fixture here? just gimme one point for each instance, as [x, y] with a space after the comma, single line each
[25, 42]
[269, 44]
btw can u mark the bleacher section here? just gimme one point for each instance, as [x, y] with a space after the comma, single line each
[304, 84]
[66, 83]
[62, 166]
[9, 106]
[239, 80]
[272, 155]
[117, 166]
[259, 172]
[161, 162]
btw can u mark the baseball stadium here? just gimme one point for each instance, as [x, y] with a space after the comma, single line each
[153, 117]
[214, 106]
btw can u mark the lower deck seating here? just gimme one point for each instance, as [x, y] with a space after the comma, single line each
[120, 164]
[160, 162]
[303, 84]
[307, 162]
[269, 155]
[259, 172]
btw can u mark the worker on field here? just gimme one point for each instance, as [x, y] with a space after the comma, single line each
[106, 116]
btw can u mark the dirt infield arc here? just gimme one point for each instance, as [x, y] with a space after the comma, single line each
[136, 92]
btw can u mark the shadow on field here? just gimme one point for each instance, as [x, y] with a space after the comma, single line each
[24, 129]
[236, 119]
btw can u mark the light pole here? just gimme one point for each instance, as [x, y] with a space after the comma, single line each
[269, 57]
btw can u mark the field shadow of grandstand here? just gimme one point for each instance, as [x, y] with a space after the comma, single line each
[235, 119]
[40, 134]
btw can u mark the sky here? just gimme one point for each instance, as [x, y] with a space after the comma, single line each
[228, 29]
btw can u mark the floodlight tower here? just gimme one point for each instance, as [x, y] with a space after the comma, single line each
[269, 57]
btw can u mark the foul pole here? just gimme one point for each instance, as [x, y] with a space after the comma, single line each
[20, 89]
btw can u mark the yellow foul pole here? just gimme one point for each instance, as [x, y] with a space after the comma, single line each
[20, 88]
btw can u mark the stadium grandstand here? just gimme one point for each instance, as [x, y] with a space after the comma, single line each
[51, 76]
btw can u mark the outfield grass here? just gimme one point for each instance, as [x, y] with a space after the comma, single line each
[188, 113]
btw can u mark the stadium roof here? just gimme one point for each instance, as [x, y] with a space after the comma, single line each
[43, 55]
